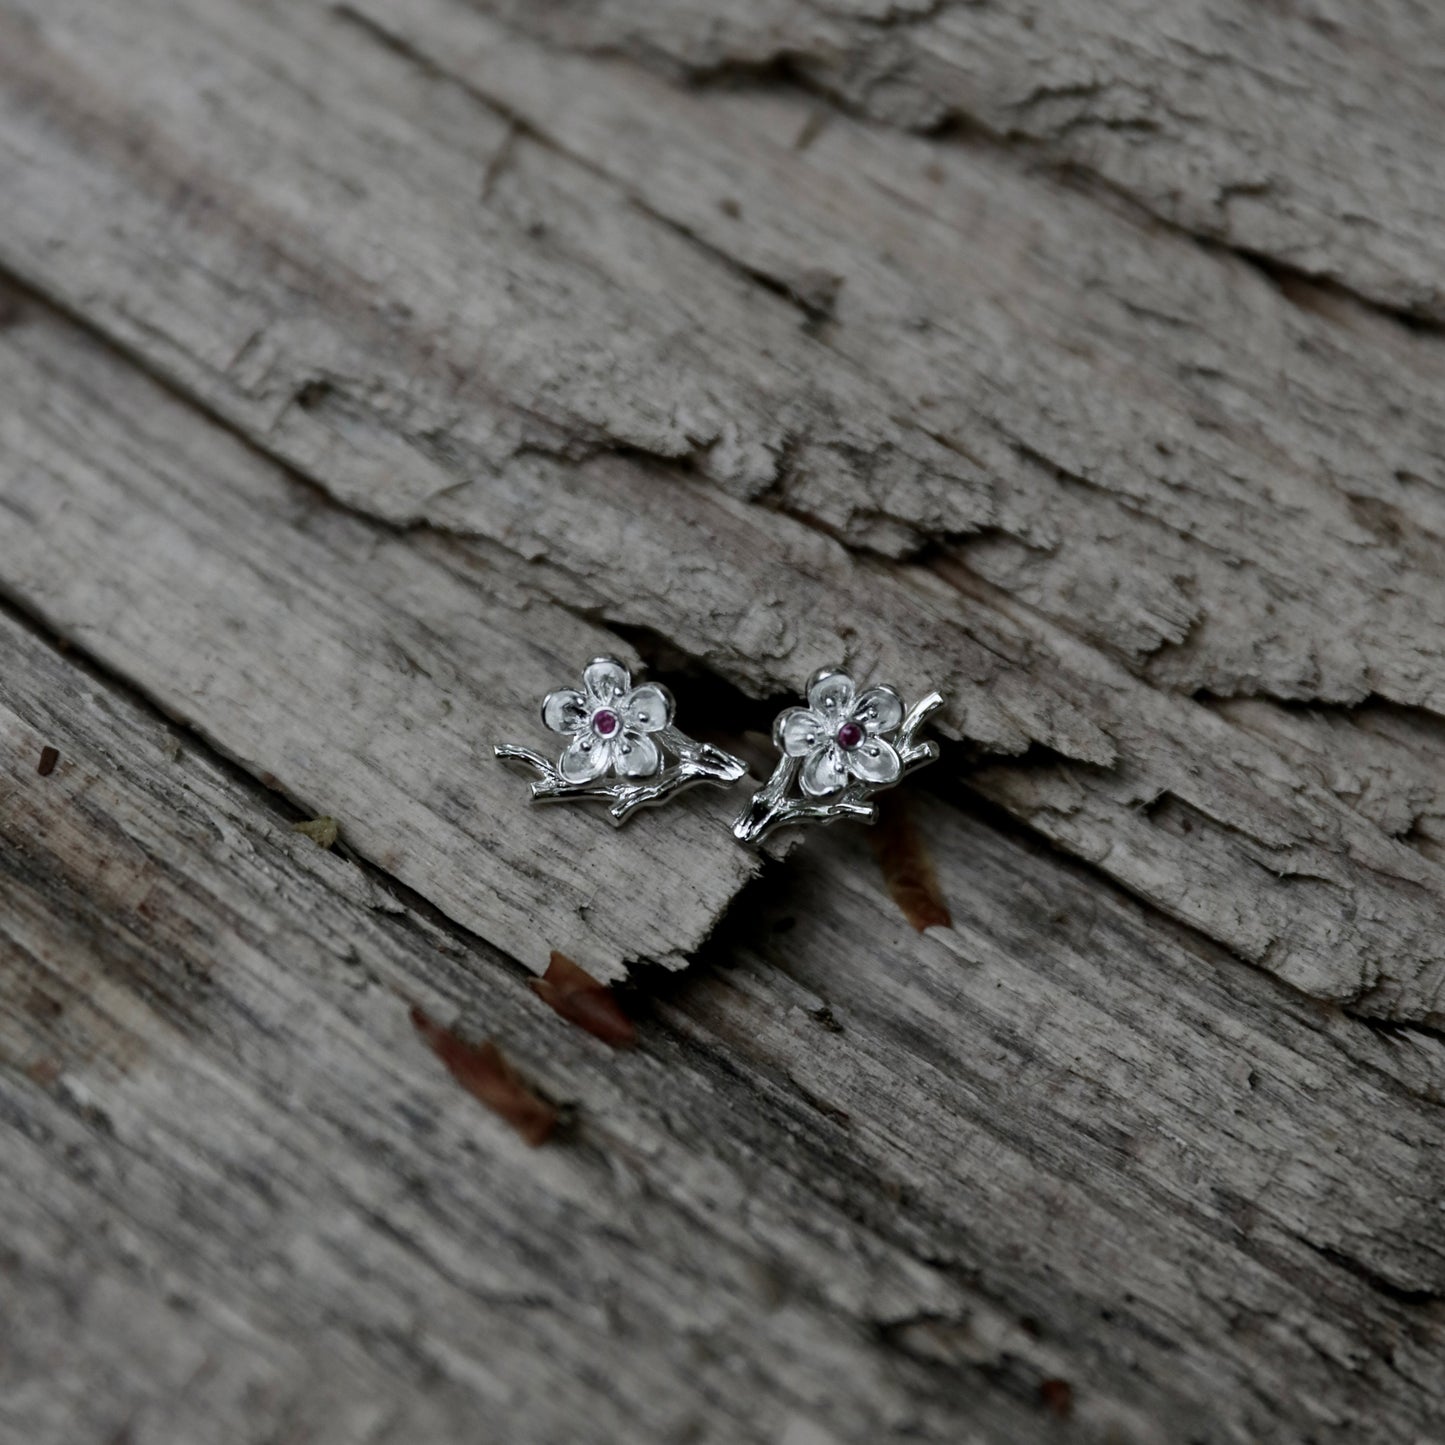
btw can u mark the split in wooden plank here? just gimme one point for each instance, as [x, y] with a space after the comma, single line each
[608, 330]
[1092, 1075]
[333, 658]
[218, 1121]
[1385, 761]
[1137, 474]
[895, 1183]
[1298, 134]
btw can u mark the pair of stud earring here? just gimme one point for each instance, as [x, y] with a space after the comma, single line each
[623, 750]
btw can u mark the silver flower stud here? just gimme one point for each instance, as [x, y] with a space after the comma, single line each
[609, 724]
[622, 748]
[841, 748]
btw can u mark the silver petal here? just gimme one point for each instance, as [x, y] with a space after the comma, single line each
[800, 730]
[565, 710]
[824, 771]
[647, 709]
[636, 755]
[588, 757]
[606, 680]
[874, 760]
[879, 710]
[830, 694]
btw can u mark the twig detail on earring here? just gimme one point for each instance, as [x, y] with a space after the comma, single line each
[616, 729]
[843, 747]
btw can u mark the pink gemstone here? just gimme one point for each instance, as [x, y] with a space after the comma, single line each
[849, 736]
[606, 722]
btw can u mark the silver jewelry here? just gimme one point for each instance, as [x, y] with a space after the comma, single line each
[622, 747]
[842, 748]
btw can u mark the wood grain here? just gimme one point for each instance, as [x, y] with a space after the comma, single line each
[1298, 133]
[367, 367]
[361, 672]
[895, 1182]
[609, 345]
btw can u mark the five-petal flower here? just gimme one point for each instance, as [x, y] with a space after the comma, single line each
[609, 723]
[840, 734]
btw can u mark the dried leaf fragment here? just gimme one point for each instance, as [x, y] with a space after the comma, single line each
[1058, 1396]
[907, 867]
[568, 989]
[484, 1072]
[322, 831]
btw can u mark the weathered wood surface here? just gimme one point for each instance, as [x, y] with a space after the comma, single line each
[876, 1190]
[1298, 132]
[365, 673]
[368, 366]
[1166, 475]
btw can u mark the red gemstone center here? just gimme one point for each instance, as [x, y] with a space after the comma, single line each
[849, 736]
[606, 722]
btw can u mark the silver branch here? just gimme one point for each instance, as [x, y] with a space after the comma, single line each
[696, 763]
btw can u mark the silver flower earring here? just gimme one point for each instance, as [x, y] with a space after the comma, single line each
[622, 748]
[842, 748]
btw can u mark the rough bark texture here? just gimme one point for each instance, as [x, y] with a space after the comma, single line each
[368, 367]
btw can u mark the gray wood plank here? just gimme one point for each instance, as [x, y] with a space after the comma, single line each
[856, 1183]
[321, 318]
[368, 366]
[1300, 133]
[347, 664]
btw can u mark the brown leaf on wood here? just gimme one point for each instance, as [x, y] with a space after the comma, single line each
[483, 1071]
[48, 759]
[907, 867]
[1058, 1396]
[571, 991]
